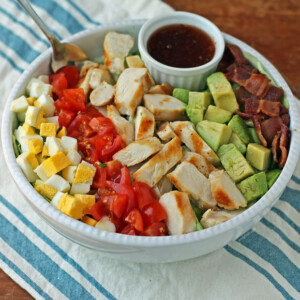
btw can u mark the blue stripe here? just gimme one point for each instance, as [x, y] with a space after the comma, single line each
[18, 271]
[12, 63]
[281, 234]
[273, 255]
[292, 197]
[296, 179]
[17, 44]
[261, 270]
[41, 262]
[18, 6]
[60, 14]
[83, 13]
[63, 254]
[283, 216]
[24, 25]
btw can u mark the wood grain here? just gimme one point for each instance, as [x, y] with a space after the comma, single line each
[270, 26]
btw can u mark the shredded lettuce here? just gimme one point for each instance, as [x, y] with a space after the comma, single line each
[198, 215]
[16, 146]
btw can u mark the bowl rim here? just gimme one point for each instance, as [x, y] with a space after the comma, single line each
[83, 230]
[217, 38]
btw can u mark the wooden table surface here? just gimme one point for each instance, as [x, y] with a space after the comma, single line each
[270, 26]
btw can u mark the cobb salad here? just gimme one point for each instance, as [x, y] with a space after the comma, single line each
[107, 146]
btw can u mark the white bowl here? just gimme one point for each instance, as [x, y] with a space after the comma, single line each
[188, 78]
[139, 248]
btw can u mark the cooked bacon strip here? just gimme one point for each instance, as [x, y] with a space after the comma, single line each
[257, 85]
[285, 119]
[243, 115]
[274, 93]
[237, 54]
[270, 108]
[283, 110]
[284, 143]
[275, 146]
[252, 106]
[258, 130]
[270, 127]
[242, 95]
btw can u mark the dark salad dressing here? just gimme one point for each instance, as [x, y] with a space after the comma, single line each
[181, 46]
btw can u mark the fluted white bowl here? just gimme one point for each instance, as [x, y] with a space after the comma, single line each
[188, 78]
[139, 248]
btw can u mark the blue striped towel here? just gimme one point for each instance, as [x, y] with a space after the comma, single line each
[262, 264]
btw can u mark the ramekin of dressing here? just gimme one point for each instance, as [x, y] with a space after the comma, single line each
[181, 49]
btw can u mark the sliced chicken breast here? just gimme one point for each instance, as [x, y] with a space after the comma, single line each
[214, 217]
[116, 48]
[188, 135]
[199, 161]
[130, 89]
[225, 191]
[165, 132]
[102, 94]
[138, 151]
[156, 167]
[188, 179]
[98, 75]
[123, 127]
[180, 215]
[164, 107]
[144, 123]
[164, 88]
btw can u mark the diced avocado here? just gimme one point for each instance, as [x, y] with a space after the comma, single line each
[222, 92]
[254, 187]
[239, 127]
[214, 134]
[253, 135]
[181, 94]
[195, 114]
[199, 99]
[217, 114]
[272, 176]
[258, 156]
[234, 162]
[234, 139]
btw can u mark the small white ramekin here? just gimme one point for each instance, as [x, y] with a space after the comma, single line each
[188, 78]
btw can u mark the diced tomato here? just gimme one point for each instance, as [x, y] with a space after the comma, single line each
[119, 223]
[144, 193]
[153, 213]
[98, 210]
[65, 117]
[129, 229]
[113, 147]
[92, 112]
[155, 229]
[71, 73]
[125, 176]
[79, 127]
[135, 219]
[102, 125]
[115, 203]
[75, 98]
[114, 171]
[100, 176]
[59, 83]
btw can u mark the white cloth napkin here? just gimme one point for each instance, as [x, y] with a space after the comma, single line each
[262, 264]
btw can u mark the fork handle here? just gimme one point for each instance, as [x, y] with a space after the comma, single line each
[51, 37]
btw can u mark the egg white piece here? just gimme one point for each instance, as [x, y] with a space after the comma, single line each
[59, 183]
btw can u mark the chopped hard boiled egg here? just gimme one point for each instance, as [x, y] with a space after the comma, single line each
[59, 183]
[55, 163]
[19, 105]
[106, 224]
